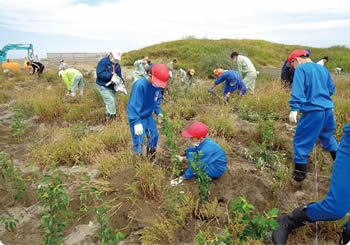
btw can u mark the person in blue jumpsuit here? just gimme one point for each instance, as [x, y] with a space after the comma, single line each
[106, 69]
[213, 156]
[311, 95]
[232, 81]
[335, 205]
[145, 98]
[287, 73]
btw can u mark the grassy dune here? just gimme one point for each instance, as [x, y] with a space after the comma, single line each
[204, 55]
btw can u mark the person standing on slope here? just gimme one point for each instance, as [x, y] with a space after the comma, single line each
[333, 207]
[311, 95]
[108, 69]
[247, 70]
[145, 98]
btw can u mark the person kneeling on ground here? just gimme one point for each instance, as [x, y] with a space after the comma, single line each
[145, 98]
[72, 78]
[335, 205]
[232, 80]
[37, 67]
[212, 155]
[311, 95]
[107, 70]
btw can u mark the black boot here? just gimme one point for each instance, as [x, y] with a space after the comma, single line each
[151, 153]
[333, 154]
[345, 237]
[299, 172]
[288, 223]
[113, 117]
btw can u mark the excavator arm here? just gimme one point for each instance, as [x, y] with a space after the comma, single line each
[6, 48]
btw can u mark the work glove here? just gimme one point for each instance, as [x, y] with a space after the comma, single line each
[138, 129]
[160, 118]
[178, 157]
[176, 181]
[210, 90]
[293, 116]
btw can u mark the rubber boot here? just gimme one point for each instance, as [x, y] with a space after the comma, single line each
[151, 153]
[333, 154]
[299, 172]
[288, 223]
[345, 237]
[113, 117]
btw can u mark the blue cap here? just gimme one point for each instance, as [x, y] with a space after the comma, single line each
[309, 51]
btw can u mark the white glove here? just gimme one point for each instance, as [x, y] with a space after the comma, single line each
[293, 116]
[115, 78]
[176, 181]
[181, 158]
[160, 118]
[138, 129]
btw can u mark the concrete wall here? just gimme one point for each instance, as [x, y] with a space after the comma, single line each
[75, 58]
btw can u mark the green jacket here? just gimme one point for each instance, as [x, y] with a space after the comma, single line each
[140, 68]
[68, 76]
[245, 65]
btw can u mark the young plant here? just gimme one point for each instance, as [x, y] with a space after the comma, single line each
[18, 125]
[169, 129]
[202, 178]
[256, 228]
[11, 178]
[9, 223]
[106, 234]
[57, 214]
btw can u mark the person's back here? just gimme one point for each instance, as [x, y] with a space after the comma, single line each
[213, 156]
[144, 97]
[245, 65]
[312, 88]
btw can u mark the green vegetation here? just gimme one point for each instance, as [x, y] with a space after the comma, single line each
[242, 227]
[205, 55]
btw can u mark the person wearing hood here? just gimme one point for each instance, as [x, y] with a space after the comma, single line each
[145, 98]
[232, 81]
[108, 69]
[210, 153]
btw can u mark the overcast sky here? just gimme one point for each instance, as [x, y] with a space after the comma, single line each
[99, 25]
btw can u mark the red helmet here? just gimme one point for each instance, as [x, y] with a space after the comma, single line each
[298, 53]
[196, 130]
[160, 75]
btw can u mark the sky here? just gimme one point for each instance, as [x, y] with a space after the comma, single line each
[100, 25]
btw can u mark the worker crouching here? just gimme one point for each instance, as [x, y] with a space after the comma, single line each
[72, 78]
[210, 153]
[232, 81]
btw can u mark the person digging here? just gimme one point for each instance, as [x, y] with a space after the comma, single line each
[212, 155]
[232, 81]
